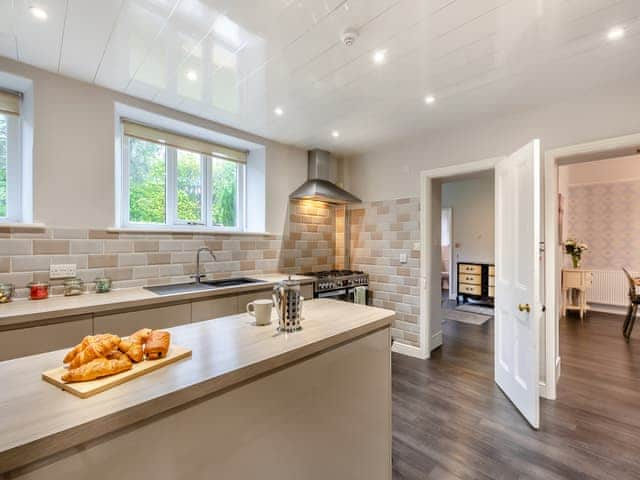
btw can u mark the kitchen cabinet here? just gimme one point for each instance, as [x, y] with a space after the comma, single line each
[45, 338]
[214, 308]
[125, 323]
[67, 331]
[307, 291]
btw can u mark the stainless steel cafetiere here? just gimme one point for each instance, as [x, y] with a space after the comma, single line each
[288, 303]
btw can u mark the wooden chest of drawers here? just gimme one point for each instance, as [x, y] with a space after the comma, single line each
[476, 281]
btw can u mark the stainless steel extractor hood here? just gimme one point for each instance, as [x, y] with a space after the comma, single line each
[320, 184]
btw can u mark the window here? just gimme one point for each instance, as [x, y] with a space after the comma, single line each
[10, 158]
[172, 180]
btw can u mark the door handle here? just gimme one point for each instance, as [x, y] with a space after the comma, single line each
[524, 307]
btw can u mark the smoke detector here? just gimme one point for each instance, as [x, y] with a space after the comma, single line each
[349, 36]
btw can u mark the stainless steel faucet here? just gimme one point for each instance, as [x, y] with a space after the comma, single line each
[198, 276]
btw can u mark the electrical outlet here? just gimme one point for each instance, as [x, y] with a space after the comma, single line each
[65, 270]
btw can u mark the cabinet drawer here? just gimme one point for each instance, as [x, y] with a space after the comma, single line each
[473, 269]
[471, 279]
[492, 281]
[492, 292]
[470, 289]
[29, 341]
[214, 308]
[492, 270]
[307, 291]
[126, 323]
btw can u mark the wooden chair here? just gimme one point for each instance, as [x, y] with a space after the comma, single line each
[634, 301]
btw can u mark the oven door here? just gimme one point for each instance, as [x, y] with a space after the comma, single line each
[342, 294]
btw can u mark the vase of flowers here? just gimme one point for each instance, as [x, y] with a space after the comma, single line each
[575, 248]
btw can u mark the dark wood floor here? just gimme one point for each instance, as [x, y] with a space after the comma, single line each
[450, 421]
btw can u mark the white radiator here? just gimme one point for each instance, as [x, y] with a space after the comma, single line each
[610, 287]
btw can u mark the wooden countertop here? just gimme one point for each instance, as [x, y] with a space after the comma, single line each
[19, 312]
[39, 420]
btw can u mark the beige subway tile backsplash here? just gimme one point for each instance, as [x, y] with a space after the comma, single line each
[16, 247]
[87, 246]
[99, 261]
[132, 258]
[146, 245]
[30, 263]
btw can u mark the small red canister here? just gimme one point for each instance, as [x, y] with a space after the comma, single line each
[38, 290]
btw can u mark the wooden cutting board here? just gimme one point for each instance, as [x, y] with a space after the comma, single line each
[92, 387]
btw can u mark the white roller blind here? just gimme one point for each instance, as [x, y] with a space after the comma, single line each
[182, 142]
[9, 102]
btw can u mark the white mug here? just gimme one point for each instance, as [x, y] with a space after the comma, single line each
[261, 310]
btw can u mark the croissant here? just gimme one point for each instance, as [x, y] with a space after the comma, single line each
[132, 349]
[97, 349]
[84, 344]
[78, 348]
[157, 345]
[100, 367]
[140, 336]
[116, 355]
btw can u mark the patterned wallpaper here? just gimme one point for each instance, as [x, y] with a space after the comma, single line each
[605, 216]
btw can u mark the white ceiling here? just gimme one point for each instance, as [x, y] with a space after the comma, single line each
[478, 57]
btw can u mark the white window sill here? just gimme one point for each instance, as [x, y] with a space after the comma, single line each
[195, 231]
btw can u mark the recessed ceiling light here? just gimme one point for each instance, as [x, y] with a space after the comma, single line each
[38, 13]
[278, 111]
[615, 33]
[429, 99]
[335, 134]
[379, 56]
[192, 75]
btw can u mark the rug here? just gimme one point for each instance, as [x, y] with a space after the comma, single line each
[481, 309]
[466, 317]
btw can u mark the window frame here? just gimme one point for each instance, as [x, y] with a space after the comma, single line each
[14, 169]
[172, 222]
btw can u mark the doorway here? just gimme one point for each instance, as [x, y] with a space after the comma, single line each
[518, 307]
[447, 279]
[468, 249]
[617, 147]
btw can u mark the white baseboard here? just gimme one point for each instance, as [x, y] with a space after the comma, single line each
[543, 389]
[614, 309]
[408, 350]
[436, 340]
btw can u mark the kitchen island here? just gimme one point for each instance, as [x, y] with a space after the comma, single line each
[249, 403]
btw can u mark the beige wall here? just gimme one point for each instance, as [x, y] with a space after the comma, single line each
[610, 170]
[472, 202]
[392, 171]
[74, 152]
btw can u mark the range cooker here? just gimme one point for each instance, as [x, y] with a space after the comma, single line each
[338, 284]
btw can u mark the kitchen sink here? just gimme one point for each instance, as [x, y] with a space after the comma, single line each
[203, 285]
[231, 282]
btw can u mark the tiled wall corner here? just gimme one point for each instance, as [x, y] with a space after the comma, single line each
[380, 233]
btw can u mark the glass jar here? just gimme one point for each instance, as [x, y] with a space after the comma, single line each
[73, 286]
[38, 290]
[6, 292]
[103, 285]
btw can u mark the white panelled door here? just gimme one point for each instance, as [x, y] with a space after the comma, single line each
[518, 309]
